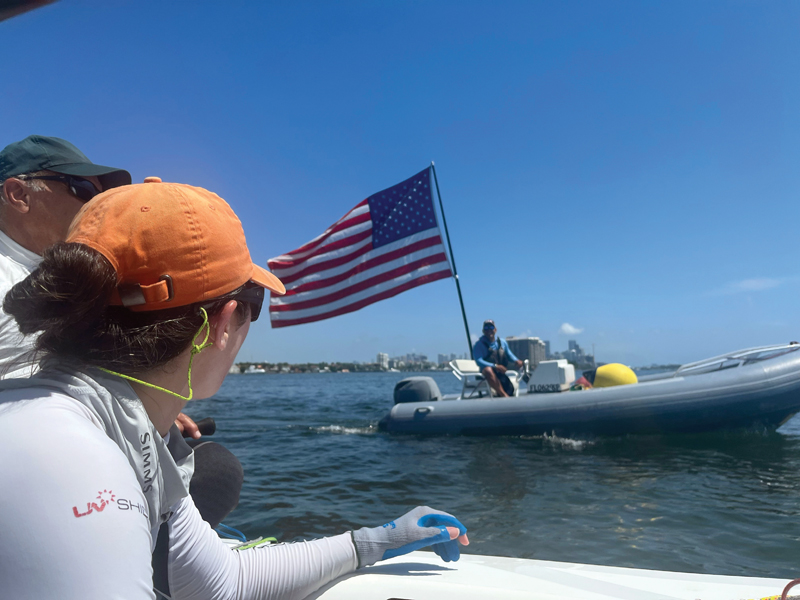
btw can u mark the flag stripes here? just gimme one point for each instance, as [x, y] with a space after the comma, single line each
[333, 276]
[349, 225]
[312, 300]
[310, 317]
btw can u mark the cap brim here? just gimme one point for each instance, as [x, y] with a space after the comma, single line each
[110, 177]
[267, 280]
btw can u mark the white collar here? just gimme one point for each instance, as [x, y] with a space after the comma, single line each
[23, 256]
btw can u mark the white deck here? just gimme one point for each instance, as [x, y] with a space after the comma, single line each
[423, 576]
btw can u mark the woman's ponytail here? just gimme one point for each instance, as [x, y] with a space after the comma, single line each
[65, 298]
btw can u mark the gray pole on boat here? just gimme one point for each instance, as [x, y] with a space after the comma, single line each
[453, 261]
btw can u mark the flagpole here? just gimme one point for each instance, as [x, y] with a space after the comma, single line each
[453, 260]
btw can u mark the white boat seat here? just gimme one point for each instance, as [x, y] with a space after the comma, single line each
[474, 384]
[464, 366]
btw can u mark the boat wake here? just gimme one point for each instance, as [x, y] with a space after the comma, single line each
[560, 442]
[341, 429]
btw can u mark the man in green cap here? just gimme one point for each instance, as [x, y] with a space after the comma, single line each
[44, 181]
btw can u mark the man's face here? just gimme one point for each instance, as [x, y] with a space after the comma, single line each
[490, 331]
[52, 210]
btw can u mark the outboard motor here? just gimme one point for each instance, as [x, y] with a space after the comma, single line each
[416, 389]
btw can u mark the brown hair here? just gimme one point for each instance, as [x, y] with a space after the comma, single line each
[67, 299]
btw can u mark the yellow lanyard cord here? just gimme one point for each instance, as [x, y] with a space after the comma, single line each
[196, 349]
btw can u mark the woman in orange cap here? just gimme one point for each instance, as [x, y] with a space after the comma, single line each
[142, 309]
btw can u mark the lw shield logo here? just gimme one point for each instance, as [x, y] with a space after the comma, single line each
[103, 499]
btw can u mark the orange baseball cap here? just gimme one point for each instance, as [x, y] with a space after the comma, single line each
[171, 244]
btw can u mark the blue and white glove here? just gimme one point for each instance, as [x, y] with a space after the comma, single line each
[417, 529]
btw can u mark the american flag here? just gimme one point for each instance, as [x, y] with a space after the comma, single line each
[387, 244]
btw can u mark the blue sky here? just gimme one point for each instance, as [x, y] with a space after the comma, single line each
[627, 171]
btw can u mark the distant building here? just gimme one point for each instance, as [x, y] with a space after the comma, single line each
[547, 350]
[383, 361]
[574, 354]
[527, 348]
[442, 359]
[413, 358]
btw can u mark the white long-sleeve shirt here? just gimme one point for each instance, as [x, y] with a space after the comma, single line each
[74, 523]
[17, 358]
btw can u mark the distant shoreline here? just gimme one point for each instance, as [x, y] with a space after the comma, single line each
[284, 368]
[322, 367]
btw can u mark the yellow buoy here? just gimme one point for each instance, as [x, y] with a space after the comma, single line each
[614, 374]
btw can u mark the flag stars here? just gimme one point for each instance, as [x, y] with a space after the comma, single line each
[401, 210]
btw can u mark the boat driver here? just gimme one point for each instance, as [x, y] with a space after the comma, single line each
[494, 357]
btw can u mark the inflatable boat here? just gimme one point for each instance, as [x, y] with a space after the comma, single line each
[753, 388]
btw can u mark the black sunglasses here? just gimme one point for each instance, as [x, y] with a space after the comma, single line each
[83, 189]
[254, 296]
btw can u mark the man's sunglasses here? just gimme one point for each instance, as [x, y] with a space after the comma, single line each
[254, 296]
[83, 189]
[489, 328]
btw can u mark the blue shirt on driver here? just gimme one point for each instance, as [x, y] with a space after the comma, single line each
[482, 348]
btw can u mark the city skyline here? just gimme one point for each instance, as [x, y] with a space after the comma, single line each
[574, 352]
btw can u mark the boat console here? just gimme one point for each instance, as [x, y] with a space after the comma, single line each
[551, 376]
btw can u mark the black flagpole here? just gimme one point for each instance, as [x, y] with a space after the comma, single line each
[453, 260]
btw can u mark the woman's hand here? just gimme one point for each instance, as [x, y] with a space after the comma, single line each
[416, 529]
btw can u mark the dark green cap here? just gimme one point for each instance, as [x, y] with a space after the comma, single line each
[39, 153]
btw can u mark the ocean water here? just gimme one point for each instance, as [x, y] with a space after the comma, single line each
[315, 465]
